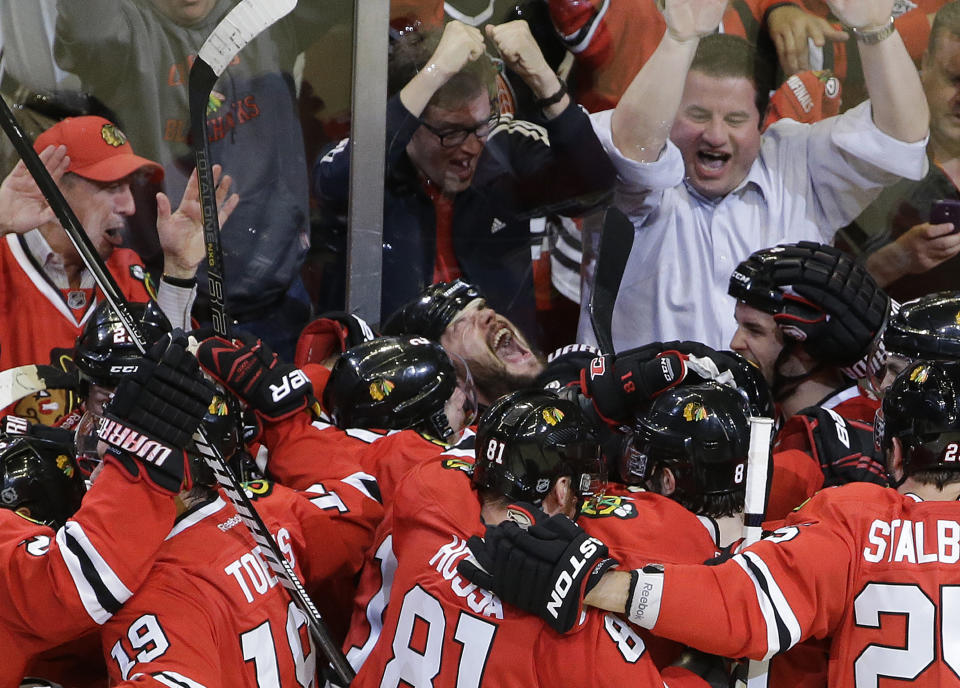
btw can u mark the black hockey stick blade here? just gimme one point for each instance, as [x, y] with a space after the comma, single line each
[234, 31]
[78, 237]
[616, 241]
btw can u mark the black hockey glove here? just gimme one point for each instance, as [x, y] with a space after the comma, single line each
[153, 414]
[251, 371]
[331, 333]
[843, 447]
[618, 384]
[545, 570]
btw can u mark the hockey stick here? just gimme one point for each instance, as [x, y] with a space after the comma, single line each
[616, 241]
[229, 482]
[754, 508]
[234, 31]
[242, 23]
[22, 381]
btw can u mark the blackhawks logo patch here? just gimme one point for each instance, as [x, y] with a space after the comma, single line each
[694, 411]
[256, 489]
[552, 415]
[919, 374]
[458, 464]
[609, 505]
[64, 464]
[112, 136]
[381, 389]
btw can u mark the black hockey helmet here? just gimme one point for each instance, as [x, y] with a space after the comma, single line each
[221, 427]
[105, 352]
[392, 383]
[818, 295]
[700, 432]
[40, 479]
[928, 327]
[922, 409]
[528, 439]
[430, 313]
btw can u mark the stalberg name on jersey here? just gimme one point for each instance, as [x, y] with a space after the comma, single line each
[445, 561]
[900, 540]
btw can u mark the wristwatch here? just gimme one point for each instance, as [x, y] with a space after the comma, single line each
[874, 35]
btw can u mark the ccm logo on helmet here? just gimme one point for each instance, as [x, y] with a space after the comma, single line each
[295, 379]
[561, 588]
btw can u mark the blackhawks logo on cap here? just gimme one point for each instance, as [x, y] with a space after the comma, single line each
[552, 415]
[919, 374]
[694, 411]
[380, 389]
[112, 135]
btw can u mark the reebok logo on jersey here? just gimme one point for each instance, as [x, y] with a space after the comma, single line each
[564, 582]
[129, 440]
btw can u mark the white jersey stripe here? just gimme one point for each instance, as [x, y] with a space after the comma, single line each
[363, 482]
[376, 607]
[773, 605]
[101, 590]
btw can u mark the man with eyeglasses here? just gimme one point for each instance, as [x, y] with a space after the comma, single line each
[462, 179]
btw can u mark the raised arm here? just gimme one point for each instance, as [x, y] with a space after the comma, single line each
[22, 205]
[642, 119]
[459, 45]
[896, 95]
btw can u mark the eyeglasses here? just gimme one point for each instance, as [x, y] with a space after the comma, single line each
[450, 138]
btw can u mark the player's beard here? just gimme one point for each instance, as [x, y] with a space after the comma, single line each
[493, 381]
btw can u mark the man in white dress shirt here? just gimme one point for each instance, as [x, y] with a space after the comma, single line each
[705, 189]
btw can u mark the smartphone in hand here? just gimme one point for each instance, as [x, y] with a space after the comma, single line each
[947, 210]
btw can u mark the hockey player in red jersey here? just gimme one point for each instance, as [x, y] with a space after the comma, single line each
[42, 277]
[870, 568]
[212, 612]
[66, 573]
[415, 619]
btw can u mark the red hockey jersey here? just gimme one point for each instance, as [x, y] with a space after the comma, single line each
[58, 585]
[36, 317]
[417, 622]
[212, 613]
[870, 569]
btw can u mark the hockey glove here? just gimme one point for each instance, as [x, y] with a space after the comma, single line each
[332, 333]
[251, 371]
[618, 384]
[153, 414]
[546, 570]
[843, 447]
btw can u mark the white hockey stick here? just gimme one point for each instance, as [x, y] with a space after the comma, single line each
[22, 381]
[242, 23]
[754, 508]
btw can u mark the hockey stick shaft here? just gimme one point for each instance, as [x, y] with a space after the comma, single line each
[616, 241]
[754, 509]
[234, 31]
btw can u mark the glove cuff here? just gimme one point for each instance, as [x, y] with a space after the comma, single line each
[643, 600]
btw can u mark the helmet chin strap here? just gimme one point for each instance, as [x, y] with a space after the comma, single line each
[783, 385]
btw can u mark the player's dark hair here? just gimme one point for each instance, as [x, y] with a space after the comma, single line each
[946, 21]
[723, 55]
[410, 52]
[939, 478]
[713, 505]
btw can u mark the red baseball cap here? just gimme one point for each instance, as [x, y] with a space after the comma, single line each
[98, 150]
